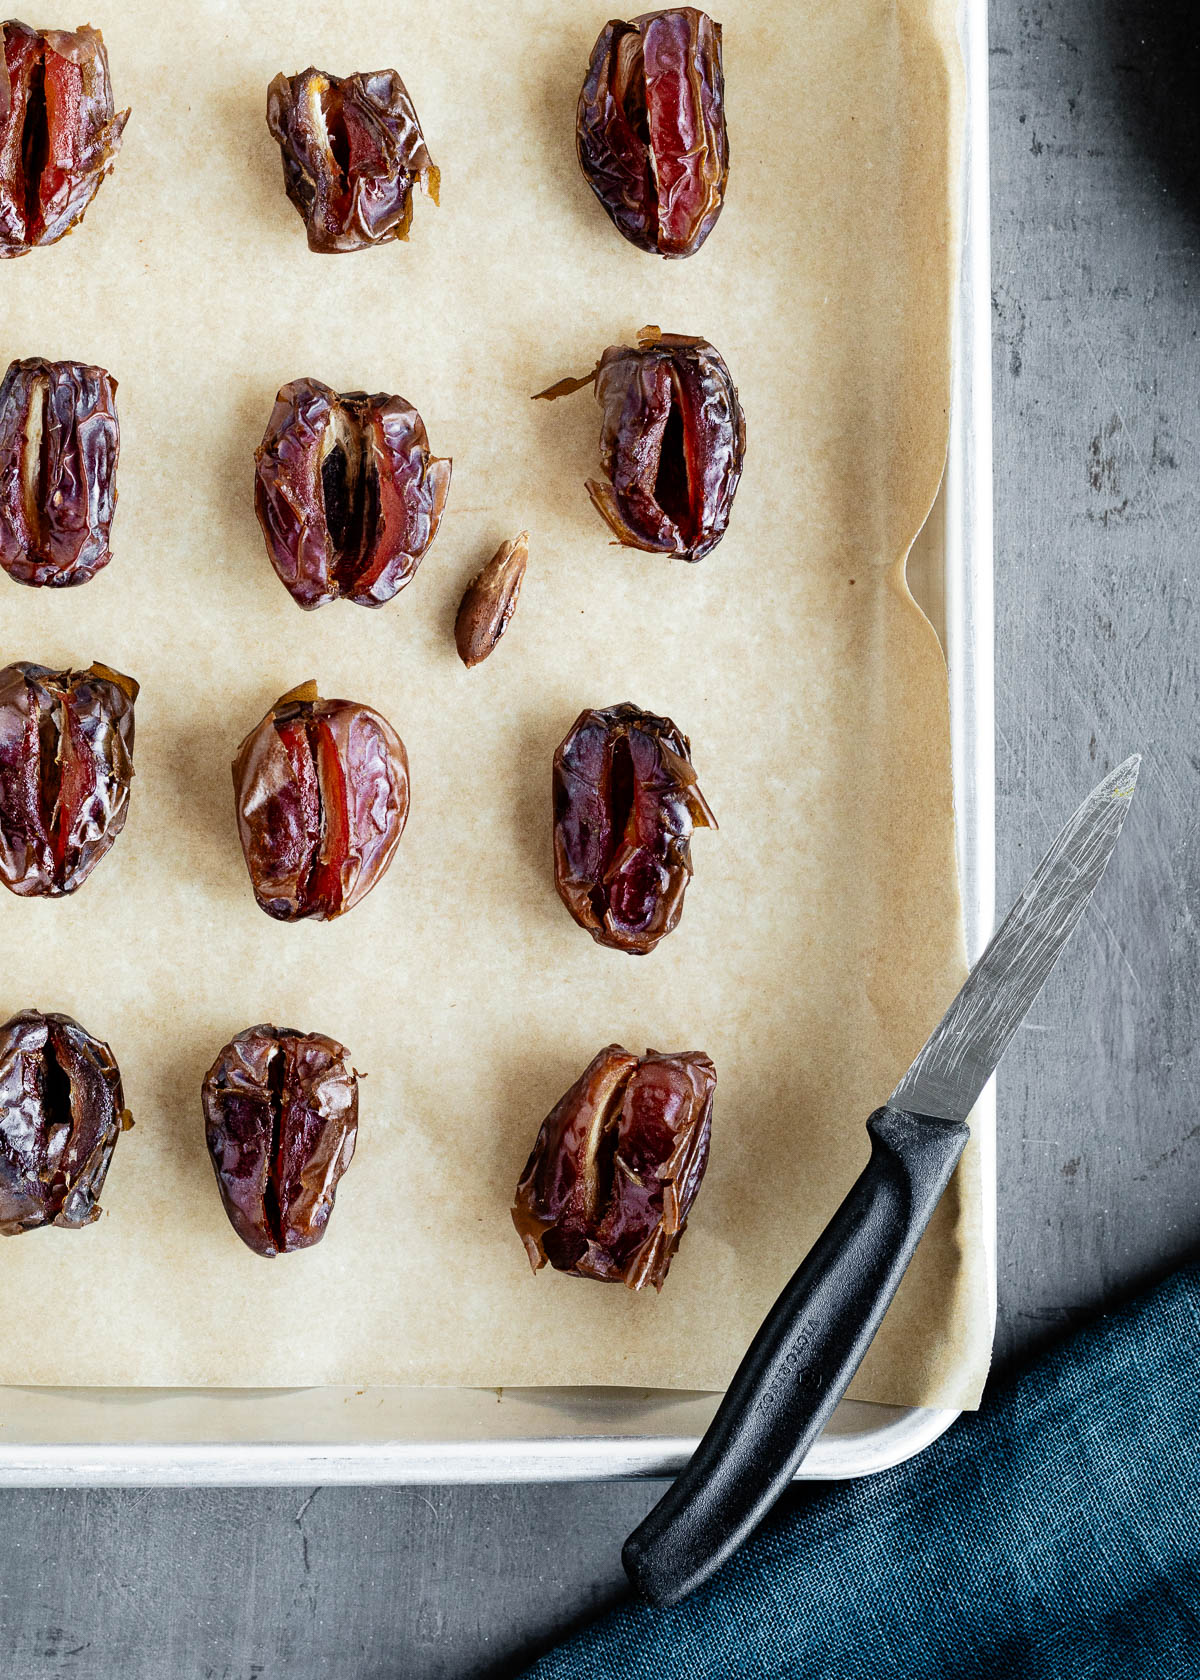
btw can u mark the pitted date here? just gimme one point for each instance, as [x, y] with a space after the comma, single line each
[59, 442]
[348, 495]
[59, 131]
[321, 788]
[280, 1120]
[62, 1110]
[353, 152]
[626, 801]
[650, 131]
[616, 1167]
[672, 442]
[66, 762]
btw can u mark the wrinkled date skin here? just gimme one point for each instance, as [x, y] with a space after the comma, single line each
[672, 443]
[321, 788]
[59, 132]
[650, 131]
[281, 1120]
[347, 493]
[616, 1167]
[59, 443]
[352, 153]
[66, 762]
[61, 1112]
[625, 803]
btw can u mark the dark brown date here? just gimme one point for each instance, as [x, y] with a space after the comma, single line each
[321, 788]
[352, 153]
[672, 442]
[59, 132]
[66, 762]
[616, 1167]
[625, 803]
[59, 442]
[62, 1110]
[347, 493]
[650, 131]
[281, 1120]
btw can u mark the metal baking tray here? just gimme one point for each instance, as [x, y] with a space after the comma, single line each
[164, 1437]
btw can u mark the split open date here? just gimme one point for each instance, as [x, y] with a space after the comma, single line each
[650, 131]
[348, 493]
[352, 152]
[66, 763]
[59, 131]
[321, 789]
[616, 1167]
[281, 1120]
[59, 443]
[672, 442]
[626, 801]
[62, 1110]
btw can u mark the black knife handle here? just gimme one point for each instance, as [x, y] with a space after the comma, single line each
[800, 1362]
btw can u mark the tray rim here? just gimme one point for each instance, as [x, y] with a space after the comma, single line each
[862, 1438]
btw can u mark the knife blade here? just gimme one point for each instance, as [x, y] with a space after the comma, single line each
[962, 1051]
[811, 1343]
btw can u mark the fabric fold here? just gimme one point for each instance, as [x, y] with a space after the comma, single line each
[1055, 1535]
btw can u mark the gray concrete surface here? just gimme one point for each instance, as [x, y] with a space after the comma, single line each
[1096, 199]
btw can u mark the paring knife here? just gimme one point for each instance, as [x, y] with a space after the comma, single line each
[814, 1338]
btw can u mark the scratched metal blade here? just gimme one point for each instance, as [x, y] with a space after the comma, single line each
[963, 1049]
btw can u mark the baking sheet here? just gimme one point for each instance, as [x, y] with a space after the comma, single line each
[821, 934]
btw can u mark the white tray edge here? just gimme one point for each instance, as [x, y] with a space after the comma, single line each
[861, 1438]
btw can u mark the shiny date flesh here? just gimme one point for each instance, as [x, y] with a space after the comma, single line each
[672, 442]
[616, 1167]
[59, 132]
[347, 492]
[66, 763]
[59, 444]
[626, 801]
[322, 792]
[352, 153]
[650, 129]
[62, 1110]
[281, 1120]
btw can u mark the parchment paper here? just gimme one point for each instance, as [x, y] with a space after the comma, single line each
[820, 938]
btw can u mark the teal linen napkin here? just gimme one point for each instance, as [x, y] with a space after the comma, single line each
[1054, 1535]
